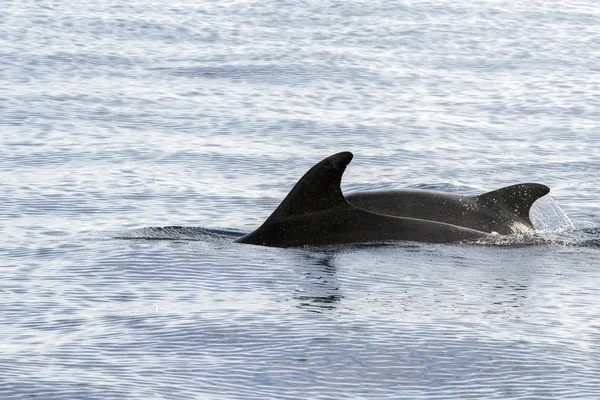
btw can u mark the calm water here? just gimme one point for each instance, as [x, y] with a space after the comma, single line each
[116, 116]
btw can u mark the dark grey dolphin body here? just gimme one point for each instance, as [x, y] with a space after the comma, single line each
[504, 211]
[316, 213]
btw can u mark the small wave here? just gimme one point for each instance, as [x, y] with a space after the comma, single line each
[595, 243]
[180, 233]
[568, 238]
[589, 237]
[591, 231]
[515, 240]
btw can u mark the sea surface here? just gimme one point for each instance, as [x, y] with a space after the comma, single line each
[118, 118]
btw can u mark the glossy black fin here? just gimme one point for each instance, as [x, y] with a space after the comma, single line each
[517, 198]
[318, 190]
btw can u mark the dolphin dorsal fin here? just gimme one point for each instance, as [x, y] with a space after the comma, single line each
[319, 189]
[518, 198]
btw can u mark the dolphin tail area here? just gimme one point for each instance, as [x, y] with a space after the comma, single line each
[517, 198]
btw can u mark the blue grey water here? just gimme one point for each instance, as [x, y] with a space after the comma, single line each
[118, 116]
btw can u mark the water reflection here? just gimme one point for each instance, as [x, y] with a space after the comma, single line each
[319, 289]
[507, 296]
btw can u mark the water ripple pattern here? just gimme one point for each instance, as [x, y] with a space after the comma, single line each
[139, 139]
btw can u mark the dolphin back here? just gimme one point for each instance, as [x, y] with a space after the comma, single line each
[315, 212]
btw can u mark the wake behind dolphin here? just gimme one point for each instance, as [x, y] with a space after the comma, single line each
[316, 213]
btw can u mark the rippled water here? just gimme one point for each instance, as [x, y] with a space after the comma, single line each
[116, 117]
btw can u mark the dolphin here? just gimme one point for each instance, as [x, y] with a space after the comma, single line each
[316, 213]
[504, 211]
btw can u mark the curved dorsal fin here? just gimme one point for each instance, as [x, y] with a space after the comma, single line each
[319, 189]
[517, 198]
